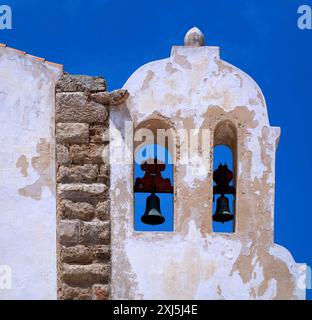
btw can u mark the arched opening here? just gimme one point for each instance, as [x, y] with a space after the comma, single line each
[153, 189]
[224, 178]
[154, 176]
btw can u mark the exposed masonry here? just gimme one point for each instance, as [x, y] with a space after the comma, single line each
[84, 249]
[193, 88]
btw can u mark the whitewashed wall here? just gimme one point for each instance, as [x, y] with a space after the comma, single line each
[195, 89]
[27, 175]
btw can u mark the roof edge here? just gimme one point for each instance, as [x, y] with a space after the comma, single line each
[57, 65]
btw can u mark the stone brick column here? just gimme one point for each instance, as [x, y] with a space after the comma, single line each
[82, 187]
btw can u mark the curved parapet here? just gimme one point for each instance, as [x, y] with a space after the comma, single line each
[194, 91]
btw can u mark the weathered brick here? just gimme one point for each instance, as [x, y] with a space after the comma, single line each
[69, 232]
[100, 292]
[74, 293]
[113, 98]
[78, 254]
[92, 153]
[102, 210]
[81, 191]
[95, 232]
[72, 83]
[101, 253]
[101, 97]
[118, 97]
[81, 254]
[96, 133]
[62, 154]
[75, 210]
[83, 180]
[77, 173]
[85, 274]
[104, 173]
[77, 107]
[72, 133]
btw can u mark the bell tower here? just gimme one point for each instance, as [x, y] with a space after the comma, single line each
[189, 104]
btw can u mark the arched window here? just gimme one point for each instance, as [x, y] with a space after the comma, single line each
[153, 189]
[224, 178]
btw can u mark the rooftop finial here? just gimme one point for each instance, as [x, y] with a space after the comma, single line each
[194, 38]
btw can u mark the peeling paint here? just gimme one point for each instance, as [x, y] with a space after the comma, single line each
[182, 62]
[195, 89]
[28, 223]
[22, 164]
[42, 165]
[149, 77]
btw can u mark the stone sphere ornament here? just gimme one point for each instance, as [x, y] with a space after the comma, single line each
[194, 38]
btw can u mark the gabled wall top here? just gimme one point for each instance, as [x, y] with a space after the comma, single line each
[32, 57]
[192, 80]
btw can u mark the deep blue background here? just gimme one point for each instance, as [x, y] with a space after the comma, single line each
[114, 38]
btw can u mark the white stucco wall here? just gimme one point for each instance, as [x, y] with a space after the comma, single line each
[195, 89]
[27, 175]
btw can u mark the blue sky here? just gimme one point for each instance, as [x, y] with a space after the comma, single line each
[114, 38]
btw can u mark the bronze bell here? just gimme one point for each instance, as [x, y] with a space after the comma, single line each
[152, 213]
[223, 213]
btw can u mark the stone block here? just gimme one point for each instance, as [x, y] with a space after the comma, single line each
[75, 293]
[62, 154]
[113, 98]
[102, 210]
[76, 107]
[75, 210]
[72, 133]
[92, 153]
[85, 274]
[101, 97]
[100, 292]
[104, 174]
[101, 253]
[69, 232]
[96, 133]
[81, 191]
[78, 173]
[81, 254]
[95, 232]
[78, 254]
[118, 97]
[76, 83]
